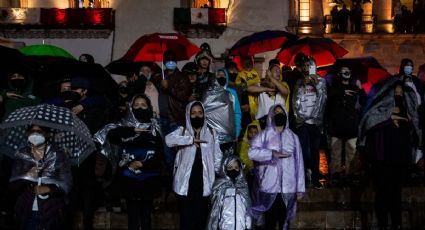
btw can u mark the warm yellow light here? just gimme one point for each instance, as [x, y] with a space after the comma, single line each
[304, 10]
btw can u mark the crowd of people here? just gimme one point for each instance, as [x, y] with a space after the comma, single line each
[237, 149]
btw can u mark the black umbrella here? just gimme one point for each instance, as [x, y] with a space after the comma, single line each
[69, 132]
[12, 61]
[101, 82]
[126, 68]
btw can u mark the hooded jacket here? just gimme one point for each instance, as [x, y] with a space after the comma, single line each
[230, 201]
[183, 138]
[218, 104]
[316, 117]
[112, 151]
[236, 105]
[245, 147]
[285, 175]
[274, 176]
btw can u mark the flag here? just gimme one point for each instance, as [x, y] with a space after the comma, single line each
[199, 16]
[203, 16]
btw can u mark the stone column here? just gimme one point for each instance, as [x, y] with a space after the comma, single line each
[383, 11]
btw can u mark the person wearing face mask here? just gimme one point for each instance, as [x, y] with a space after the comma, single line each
[345, 101]
[308, 103]
[93, 110]
[174, 93]
[230, 198]
[40, 181]
[197, 162]
[388, 131]
[138, 146]
[251, 131]
[222, 78]
[406, 74]
[220, 113]
[150, 89]
[17, 94]
[279, 171]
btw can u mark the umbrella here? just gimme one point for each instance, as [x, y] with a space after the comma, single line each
[366, 69]
[261, 42]
[101, 82]
[324, 50]
[11, 60]
[124, 67]
[45, 50]
[69, 132]
[152, 46]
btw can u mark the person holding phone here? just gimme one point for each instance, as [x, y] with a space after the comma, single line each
[308, 105]
[346, 97]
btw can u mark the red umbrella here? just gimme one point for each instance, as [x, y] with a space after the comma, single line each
[324, 50]
[151, 47]
[261, 42]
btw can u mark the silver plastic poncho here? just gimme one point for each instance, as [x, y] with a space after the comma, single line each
[111, 151]
[230, 201]
[316, 116]
[218, 104]
[54, 168]
[182, 138]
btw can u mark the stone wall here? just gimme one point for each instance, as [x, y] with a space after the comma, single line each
[388, 49]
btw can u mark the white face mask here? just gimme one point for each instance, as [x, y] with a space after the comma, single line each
[312, 69]
[408, 70]
[36, 139]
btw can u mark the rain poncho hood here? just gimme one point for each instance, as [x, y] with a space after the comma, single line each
[218, 104]
[236, 104]
[381, 109]
[245, 147]
[111, 151]
[273, 176]
[230, 200]
[316, 117]
[55, 167]
[183, 139]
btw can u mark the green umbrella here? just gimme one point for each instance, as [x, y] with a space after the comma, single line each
[45, 50]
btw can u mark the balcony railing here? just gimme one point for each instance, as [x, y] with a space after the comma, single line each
[53, 22]
[368, 25]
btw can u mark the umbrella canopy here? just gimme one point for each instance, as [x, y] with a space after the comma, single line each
[69, 132]
[261, 42]
[152, 46]
[11, 61]
[366, 69]
[324, 50]
[45, 50]
[125, 68]
[101, 82]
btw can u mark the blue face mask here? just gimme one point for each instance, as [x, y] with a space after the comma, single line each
[408, 70]
[171, 65]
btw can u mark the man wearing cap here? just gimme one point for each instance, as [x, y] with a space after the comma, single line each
[190, 69]
[203, 59]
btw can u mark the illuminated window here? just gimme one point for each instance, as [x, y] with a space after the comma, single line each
[206, 3]
[304, 10]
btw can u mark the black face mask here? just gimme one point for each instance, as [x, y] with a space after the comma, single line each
[67, 95]
[142, 115]
[74, 96]
[18, 84]
[123, 89]
[233, 174]
[222, 81]
[280, 119]
[232, 76]
[197, 122]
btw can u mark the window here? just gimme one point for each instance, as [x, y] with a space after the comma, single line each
[304, 10]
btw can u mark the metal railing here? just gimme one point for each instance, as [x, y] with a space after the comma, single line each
[367, 25]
